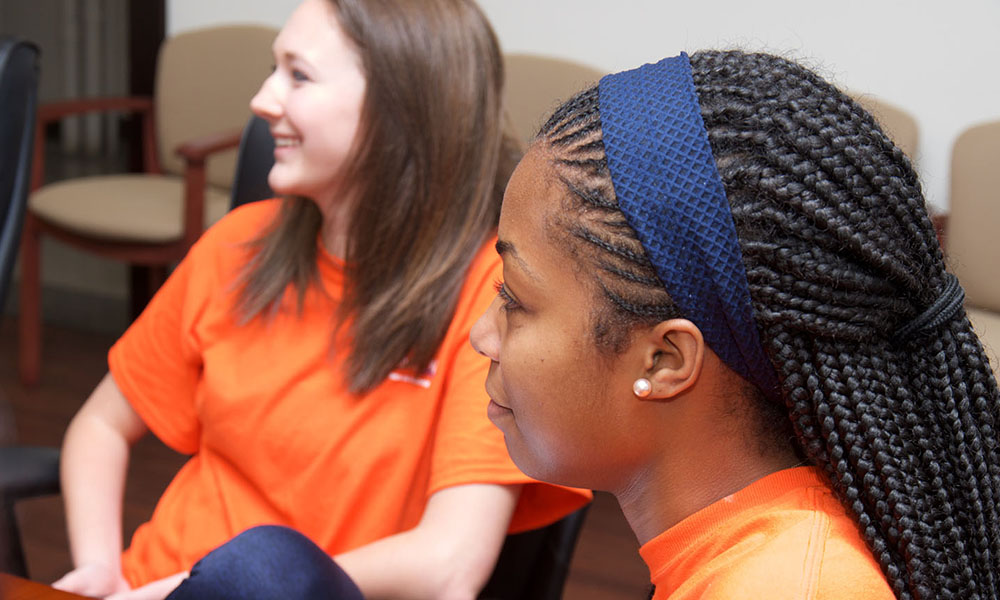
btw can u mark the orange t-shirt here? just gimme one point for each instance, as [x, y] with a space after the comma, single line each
[273, 433]
[783, 537]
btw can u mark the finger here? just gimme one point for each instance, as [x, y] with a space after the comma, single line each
[69, 581]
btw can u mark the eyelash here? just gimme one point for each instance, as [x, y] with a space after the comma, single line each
[297, 75]
[509, 303]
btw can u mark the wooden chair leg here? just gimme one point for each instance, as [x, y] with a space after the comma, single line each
[144, 281]
[30, 307]
[157, 277]
[11, 554]
[138, 284]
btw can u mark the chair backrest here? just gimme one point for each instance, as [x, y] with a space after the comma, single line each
[536, 85]
[18, 102]
[533, 565]
[204, 81]
[898, 124]
[253, 163]
[972, 234]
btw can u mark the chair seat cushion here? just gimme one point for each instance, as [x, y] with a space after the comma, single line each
[127, 208]
[987, 326]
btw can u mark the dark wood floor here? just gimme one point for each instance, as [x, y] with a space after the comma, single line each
[605, 566]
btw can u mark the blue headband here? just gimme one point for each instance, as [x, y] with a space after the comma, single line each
[667, 185]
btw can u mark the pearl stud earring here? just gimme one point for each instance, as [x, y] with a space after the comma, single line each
[642, 387]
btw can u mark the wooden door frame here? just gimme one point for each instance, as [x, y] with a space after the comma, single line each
[147, 29]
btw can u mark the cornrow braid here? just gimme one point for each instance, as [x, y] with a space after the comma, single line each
[839, 253]
[627, 280]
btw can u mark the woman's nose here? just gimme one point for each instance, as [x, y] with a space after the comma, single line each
[265, 103]
[485, 336]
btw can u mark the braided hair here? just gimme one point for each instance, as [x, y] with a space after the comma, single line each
[839, 253]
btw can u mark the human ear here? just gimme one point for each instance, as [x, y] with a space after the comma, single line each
[673, 357]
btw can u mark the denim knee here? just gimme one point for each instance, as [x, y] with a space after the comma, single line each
[264, 563]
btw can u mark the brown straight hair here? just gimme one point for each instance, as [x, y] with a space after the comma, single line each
[426, 178]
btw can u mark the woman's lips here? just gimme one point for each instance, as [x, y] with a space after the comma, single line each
[495, 411]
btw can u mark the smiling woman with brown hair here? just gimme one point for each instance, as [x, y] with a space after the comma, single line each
[311, 352]
[724, 302]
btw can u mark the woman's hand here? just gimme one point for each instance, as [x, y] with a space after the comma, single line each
[94, 579]
[157, 590]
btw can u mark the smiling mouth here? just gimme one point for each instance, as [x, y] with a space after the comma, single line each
[286, 142]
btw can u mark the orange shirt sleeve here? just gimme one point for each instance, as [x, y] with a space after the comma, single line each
[157, 362]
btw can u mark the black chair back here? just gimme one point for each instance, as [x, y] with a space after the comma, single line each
[253, 163]
[18, 105]
[533, 565]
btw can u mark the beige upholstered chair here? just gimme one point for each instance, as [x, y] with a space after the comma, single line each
[536, 85]
[204, 81]
[898, 124]
[972, 243]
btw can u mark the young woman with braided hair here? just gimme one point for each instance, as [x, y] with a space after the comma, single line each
[724, 302]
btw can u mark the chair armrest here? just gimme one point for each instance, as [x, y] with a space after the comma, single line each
[198, 149]
[194, 153]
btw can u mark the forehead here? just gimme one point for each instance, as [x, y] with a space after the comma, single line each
[312, 31]
[532, 194]
[534, 230]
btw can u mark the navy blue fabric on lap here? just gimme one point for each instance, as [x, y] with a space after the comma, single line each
[267, 563]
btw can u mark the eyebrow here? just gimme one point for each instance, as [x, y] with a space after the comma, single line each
[505, 248]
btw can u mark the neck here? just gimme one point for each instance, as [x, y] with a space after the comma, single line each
[336, 209]
[691, 470]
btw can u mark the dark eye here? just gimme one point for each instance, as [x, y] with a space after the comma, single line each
[509, 303]
[299, 75]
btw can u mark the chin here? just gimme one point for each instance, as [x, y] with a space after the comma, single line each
[280, 184]
[277, 188]
[544, 466]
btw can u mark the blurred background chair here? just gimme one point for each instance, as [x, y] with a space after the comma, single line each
[25, 471]
[537, 85]
[970, 232]
[898, 124]
[204, 81]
